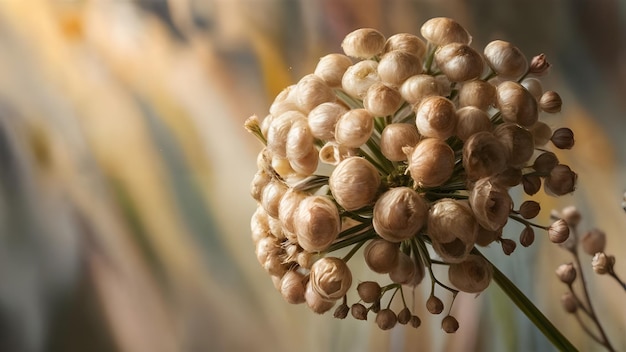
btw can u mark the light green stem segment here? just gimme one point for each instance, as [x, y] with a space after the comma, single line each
[528, 308]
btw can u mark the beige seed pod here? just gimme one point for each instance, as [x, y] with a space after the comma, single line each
[541, 133]
[443, 30]
[566, 273]
[459, 62]
[478, 93]
[404, 272]
[331, 68]
[272, 193]
[292, 287]
[306, 165]
[333, 153]
[472, 275]
[358, 311]
[563, 138]
[299, 140]
[323, 119]
[431, 162]
[550, 102]
[404, 316]
[434, 305]
[558, 232]
[267, 247]
[312, 91]
[505, 59]
[276, 228]
[330, 278]
[436, 117]
[516, 104]
[449, 324]
[397, 136]
[534, 86]
[315, 302]
[508, 178]
[382, 100]
[359, 77]
[354, 183]
[259, 225]
[284, 101]
[396, 66]
[490, 203]
[483, 156]
[472, 120]
[278, 131]
[369, 291]
[354, 128]
[416, 88]
[288, 207]
[260, 180]
[446, 218]
[560, 181]
[381, 256]
[593, 241]
[317, 223]
[518, 143]
[386, 319]
[409, 43]
[399, 214]
[363, 43]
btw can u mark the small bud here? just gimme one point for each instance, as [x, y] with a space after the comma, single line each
[397, 136]
[560, 181]
[399, 214]
[354, 183]
[505, 59]
[381, 256]
[558, 232]
[315, 302]
[369, 291]
[472, 120]
[436, 117]
[341, 312]
[404, 317]
[449, 324]
[381, 99]
[396, 66]
[418, 87]
[323, 119]
[363, 43]
[445, 218]
[292, 287]
[483, 156]
[563, 138]
[491, 204]
[299, 140]
[331, 68]
[569, 302]
[566, 273]
[330, 278]
[593, 241]
[316, 223]
[533, 85]
[602, 263]
[359, 311]
[529, 209]
[508, 246]
[517, 141]
[434, 305]
[527, 237]
[459, 62]
[516, 104]
[545, 162]
[359, 77]
[431, 162]
[409, 43]
[312, 91]
[550, 102]
[415, 321]
[477, 93]
[443, 30]
[473, 275]
[539, 65]
[354, 128]
[386, 319]
[278, 130]
[531, 184]
[510, 177]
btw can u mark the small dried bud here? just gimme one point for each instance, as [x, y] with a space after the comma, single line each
[472, 275]
[404, 317]
[459, 62]
[558, 232]
[354, 183]
[569, 302]
[341, 312]
[477, 93]
[323, 119]
[517, 141]
[369, 291]
[316, 223]
[491, 204]
[396, 66]
[409, 43]
[359, 311]
[397, 136]
[399, 214]
[359, 77]
[529, 209]
[381, 99]
[330, 278]
[516, 104]
[415, 321]
[471, 121]
[331, 68]
[602, 263]
[527, 237]
[534, 86]
[445, 218]
[541, 133]
[545, 162]
[363, 43]
[431, 162]
[450, 324]
[483, 156]
[436, 117]
[354, 128]
[563, 138]
[550, 102]
[594, 241]
[508, 246]
[316, 302]
[443, 30]
[531, 184]
[505, 59]
[434, 305]
[312, 91]
[292, 287]
[560, 181]
[539, 65]
[566, 273]
[386, 319]
[381, 256]
[572, 216]
[418, 87]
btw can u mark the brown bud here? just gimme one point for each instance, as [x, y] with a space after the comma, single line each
[396, 66]
[431, 162]
[399, 214]
[505, 59]
[317, 303]
[292, 287]
[508, 246]
[436, 117]
[386, 319]
[331, 68]
[381, 99]
[560, 181]
[409, 43]
[477, 93]
[316, 223]
[491, 204]
[404, 271]
[539, 65]
[449, 324]
[486, 237]
[510, 177]
[558, 232]
[531, 184]
[516, 104]
[550, 102]
[397, 136]
[415, 321]
[434, 305]
[472, 275]
[545, 162]
[541, 133]
[354, 128]
[404, 317]
[527, 237]
[359, 77]
[359, 311]
[594, 241]
[563, 138]
[369, 291]
[529, 209]
[517, 141]
[381, 256]
[330, 278]
[483, 156]
[472, 120]
[569, 302]
[341, 312]
[602, 263]
[418, 87]
[459, 62]
[445, 218]
[443, 30]
[354, 183]
[566, 273]
[363, 43]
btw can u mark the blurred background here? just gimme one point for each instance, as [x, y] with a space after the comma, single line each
[125, 170]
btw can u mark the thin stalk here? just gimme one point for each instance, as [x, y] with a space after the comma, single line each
[352, 251]
[614, 275]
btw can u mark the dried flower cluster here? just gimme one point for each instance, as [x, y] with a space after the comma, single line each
[403, 149]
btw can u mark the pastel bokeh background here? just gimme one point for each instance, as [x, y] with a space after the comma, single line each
[124, 171]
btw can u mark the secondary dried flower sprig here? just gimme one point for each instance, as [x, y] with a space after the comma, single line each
[402, 147]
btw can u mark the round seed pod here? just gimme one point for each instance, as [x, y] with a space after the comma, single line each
[452, 229]
[369, 291]
[292, 287]
[284, 101]
[527, 237]
[471, 121]
[472, 275]
[483, 156]
[317, 223]
[560, 181]
[260, 180]
[397, 136]
[508, 245]
[491, 204]
[416, 88]
[363, 43]
[381, 256]
[404, 317]
[278, 131]
[382, 100]
[459, 62]
[331, 68]
[436, 117]
[477, 93]
[266, 248]
[431, 162]
[443, 30]
[323, 119]
[396, 66]
[518, 143]
[272, 193]
[288, 207]
[505, 59]
[312, 91]
[434, 305]
[354, 128]
[409, 43]
[354, 183]
[516, 104]
[330, 278]
[558, 232]
[486, 237]
[566, 273]
[569, 302]
[259, 225]
[449, 324]
[399, 214]
[315, 301]
[529, 209]
[359, 77]
[358, 311]
[386, 319]
[306, 165]
[541, 133]
[299, 140]
[563, 138]
[534, 86]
